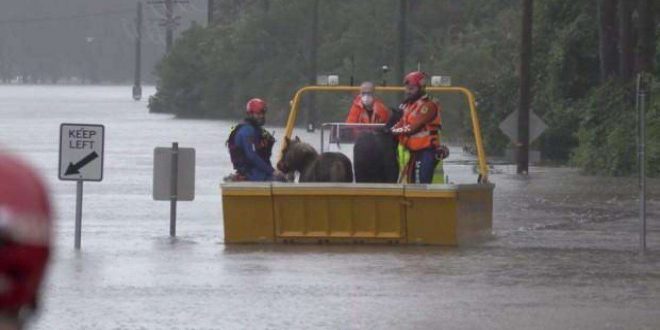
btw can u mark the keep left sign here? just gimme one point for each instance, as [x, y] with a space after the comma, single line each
[81, 152]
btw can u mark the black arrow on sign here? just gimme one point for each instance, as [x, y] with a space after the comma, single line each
[73, 168]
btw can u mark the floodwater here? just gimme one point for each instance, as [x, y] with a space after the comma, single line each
[563, 252]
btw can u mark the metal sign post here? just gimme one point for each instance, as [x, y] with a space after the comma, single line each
[641, 156]
[79, 194]
[174, 178]
[81, 159]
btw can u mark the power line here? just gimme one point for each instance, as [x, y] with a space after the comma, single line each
[65, 18]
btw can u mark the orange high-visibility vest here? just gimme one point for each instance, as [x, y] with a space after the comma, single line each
[359, 115]
[428, 136]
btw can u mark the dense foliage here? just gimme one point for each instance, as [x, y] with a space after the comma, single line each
[263, 50]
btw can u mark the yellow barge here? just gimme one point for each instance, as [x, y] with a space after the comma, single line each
[433, 214]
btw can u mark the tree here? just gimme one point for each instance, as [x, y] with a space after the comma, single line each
[581, 51]
[609, 63]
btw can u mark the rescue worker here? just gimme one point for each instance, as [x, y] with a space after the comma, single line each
[366, 108]
[25, 240]
[250, 146]
[418, 132]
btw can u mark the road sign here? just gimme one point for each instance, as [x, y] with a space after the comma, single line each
[81, 152]
[185, 184]
[174, 177]
[510, 126]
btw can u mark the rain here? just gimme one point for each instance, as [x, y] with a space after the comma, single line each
[564, 248]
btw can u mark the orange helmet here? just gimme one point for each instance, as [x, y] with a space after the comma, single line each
[255, 106]
[416, 78]
[25, 234]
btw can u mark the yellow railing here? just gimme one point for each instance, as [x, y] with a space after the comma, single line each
[295, 106]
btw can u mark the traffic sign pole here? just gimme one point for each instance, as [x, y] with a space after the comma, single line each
[80, 159]
[79, 197]
[641, 158]
[174, 179]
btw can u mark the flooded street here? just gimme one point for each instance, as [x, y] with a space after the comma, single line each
[563, 254]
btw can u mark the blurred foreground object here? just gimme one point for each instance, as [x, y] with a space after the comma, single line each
[25, 239]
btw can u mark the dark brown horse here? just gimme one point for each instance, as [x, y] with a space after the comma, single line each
[301, 157]
[374, 154]
[375, 159]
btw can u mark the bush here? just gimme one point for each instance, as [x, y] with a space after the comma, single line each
[263, 52]
[608, 133]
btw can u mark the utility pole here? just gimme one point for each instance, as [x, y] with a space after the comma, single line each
[137, 85]
[626, 37]
[401, 56]
[170, 22]
[352, 79]
[209, 12]
[311, 105]
[525, 88]
[169, 25]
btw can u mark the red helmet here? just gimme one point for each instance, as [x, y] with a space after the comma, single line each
[255, 106]
[417, 78]
[25, 234]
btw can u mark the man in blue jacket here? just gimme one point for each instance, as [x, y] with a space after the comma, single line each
[250, 146]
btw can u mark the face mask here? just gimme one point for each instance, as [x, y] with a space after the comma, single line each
[367, 100]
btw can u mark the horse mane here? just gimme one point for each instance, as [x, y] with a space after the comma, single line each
[300, 154]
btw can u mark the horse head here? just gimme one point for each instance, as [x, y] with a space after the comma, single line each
[296, 155]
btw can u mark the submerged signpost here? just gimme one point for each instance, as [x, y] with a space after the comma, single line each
[535, 127]
[174, 177]
[642, 86]
[81, 159]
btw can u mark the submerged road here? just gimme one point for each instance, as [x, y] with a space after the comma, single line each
[563, 253]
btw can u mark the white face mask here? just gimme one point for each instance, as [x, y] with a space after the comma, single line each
[367, 100]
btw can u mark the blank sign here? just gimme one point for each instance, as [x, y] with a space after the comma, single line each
[163, 174]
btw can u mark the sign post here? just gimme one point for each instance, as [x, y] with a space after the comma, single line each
[509, 126]
[79, 194]
[81, 159]
[641, 157]
[174, 177]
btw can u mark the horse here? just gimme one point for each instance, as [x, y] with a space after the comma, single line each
[375, 156]
[375, 159]
[301, 157]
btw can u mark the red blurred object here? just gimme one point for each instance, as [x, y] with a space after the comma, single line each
[25, 234]
[255, 106]
[416, 78]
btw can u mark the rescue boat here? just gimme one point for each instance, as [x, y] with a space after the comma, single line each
[431, 214]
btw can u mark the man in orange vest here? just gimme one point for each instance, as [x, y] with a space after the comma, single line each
[419, 131]
[366, 108]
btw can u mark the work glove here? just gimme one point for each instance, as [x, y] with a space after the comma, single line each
[401, 130]
[442, 152]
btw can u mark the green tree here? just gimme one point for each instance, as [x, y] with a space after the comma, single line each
[261, 50]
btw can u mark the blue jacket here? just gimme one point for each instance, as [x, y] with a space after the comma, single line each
[258, 168]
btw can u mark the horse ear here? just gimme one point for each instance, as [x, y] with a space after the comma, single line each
[297, 138]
